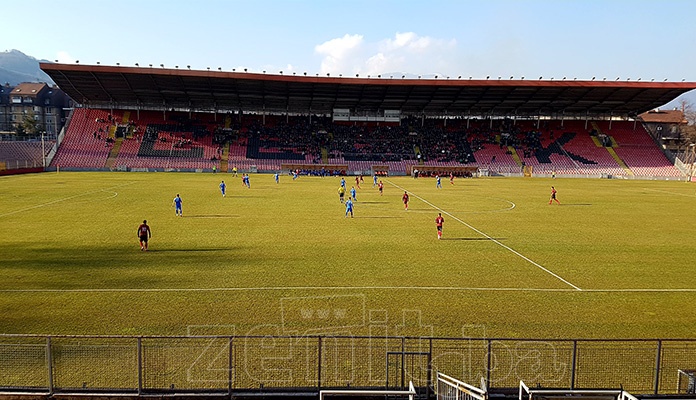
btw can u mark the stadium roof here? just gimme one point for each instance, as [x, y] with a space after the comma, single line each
[150, 87]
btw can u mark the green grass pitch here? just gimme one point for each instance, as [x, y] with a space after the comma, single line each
[614, 260]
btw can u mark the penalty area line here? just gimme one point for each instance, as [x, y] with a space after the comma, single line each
[513, 251]
[65, 199]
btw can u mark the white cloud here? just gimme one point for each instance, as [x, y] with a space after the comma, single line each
[64, 57]
[338, 53]
[405, 52]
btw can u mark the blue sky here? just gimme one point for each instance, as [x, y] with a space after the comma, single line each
[573, 38]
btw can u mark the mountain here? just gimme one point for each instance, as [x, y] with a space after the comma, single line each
[17, 67]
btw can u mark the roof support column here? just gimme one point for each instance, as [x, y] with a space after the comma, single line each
[611, 117]
[587, 116]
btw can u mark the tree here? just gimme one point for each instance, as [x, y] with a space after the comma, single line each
[688, 129]
[29, 125]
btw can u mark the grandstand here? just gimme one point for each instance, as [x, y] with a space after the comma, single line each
[258, 122]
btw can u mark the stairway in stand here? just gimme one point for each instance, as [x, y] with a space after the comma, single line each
[611, 150]
[515, 156]
[417, 151]
[224, 165]
[113, 154]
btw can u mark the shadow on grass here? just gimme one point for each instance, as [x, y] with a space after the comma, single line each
[212, 216]
[372, 202]
[466, 238]
[378, 216]
[151, 250]
[574, 204]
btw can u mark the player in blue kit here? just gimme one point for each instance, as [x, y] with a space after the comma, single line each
[353, 193]
[223, 187]
[439, 183]
[177, 205]
[374, 180]
[349, 208]
[276, 176]
[343, 183]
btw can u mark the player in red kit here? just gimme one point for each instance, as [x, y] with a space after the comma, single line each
[144, 234]
[381, 187]
[438, 222]
[404, 198]
[553, 196]
[451, 178]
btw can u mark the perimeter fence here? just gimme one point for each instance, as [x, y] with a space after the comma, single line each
[223, 364]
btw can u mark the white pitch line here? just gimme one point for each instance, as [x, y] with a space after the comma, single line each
[281, 288]
[490, 238]
[290, 288]
[63, 199]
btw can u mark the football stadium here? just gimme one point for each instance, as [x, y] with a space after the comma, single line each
[561, 265]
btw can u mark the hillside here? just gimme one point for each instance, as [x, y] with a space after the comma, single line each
[17, 67]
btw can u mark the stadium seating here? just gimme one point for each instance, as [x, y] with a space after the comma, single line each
[186, 141]
[17, 155]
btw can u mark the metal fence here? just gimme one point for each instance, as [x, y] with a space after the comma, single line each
[223, 364]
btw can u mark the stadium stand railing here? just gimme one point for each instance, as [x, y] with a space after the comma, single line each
[225, 364]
